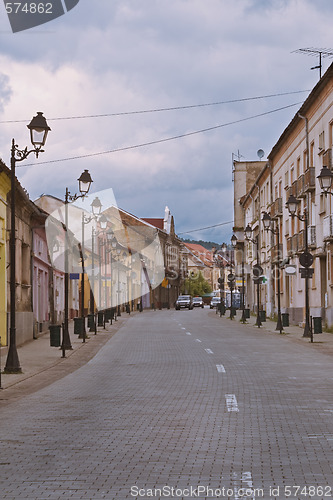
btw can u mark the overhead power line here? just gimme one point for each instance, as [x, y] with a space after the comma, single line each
[159, 141]
[208, 227]
[158, 110]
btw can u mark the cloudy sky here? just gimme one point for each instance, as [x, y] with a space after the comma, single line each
[116, 58]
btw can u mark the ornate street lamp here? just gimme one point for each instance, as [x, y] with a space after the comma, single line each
[38, 134]
[257, 268]
[85, 181]
[267, 222]
[241, 244]
[325, 179]
[292, 204]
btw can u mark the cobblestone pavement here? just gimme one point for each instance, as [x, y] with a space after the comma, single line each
[177, 404]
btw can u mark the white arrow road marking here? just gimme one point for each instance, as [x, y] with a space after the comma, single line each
[231, 402]
[209, 351]
[220, 368]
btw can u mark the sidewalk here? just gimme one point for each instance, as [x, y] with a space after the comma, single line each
[45, 364]
[321, 341]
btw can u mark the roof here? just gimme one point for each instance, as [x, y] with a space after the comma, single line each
[159, 223]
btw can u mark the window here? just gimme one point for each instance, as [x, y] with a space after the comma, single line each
[330, 138]
[298, 167]
[286, 179]
[312, 154]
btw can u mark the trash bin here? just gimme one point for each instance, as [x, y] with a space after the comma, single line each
[317, 325]
[55, 335]
[285, 319]
[78, 325]
[263, 315]
[100, 318]
[91, 321]
[233, 311]
[247, 313]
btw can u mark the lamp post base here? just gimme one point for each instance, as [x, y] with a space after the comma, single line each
[12, 364]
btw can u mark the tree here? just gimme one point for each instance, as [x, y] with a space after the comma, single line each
[196, 284]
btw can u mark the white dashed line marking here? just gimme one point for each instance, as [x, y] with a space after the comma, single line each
[220, 368]
[188, 333]
[231, 401]
[183, 328]
[209, 351]
[197, 340]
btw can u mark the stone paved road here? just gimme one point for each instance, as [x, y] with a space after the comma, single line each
[182, 400]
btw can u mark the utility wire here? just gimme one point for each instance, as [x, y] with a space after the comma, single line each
[159, 141]
[158, 110]
[208, 227]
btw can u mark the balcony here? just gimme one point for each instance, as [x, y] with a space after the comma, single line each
[276, 208]
[312, 240]
[301, 242]
[309, 180]
[328, 228]
[292, 244]
[276, 253]
[300, 187]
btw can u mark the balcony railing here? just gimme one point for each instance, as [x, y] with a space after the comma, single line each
[309, 180]
[292, 244]
[276, 253]
[276, 208]
[328, 228]
[300, 187]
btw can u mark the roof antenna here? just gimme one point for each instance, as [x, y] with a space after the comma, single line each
[310, 51]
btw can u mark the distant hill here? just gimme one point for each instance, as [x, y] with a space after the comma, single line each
[206, 244]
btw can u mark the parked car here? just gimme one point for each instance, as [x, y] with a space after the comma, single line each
[184, 301]
[197, 302]
[214, 302]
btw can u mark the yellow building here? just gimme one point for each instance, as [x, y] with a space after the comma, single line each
[4, 189]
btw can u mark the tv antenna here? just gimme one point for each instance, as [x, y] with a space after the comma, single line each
[321, 53]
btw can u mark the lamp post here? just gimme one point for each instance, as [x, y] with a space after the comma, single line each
[85, 181]
[232, 276]
[241, 243]
[267, 222]
[292, 204]
[96, 207]
[257, 269]
[38, 133]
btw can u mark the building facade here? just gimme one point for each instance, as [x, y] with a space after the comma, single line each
[292, 168]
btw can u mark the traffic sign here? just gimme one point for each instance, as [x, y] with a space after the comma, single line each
[306, 272]
[306, 259]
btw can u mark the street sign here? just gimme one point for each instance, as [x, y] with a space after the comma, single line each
[74, 276]
[290, 269]
[231, 277]
[220, 280]
[306, 259]
[306, 272]
[257, 271]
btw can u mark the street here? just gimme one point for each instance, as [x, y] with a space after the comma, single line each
[178, 404]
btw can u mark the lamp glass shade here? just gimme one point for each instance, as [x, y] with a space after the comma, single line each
[85, 181]
[267, 220]
[224, 247]
[292, 204]
[103, 222]
[248, 232]
[96, 207]
[234, 240]
[38, 130]
[109, 235]
[325, 179]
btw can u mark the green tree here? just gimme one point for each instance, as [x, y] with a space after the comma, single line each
[196, 285]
